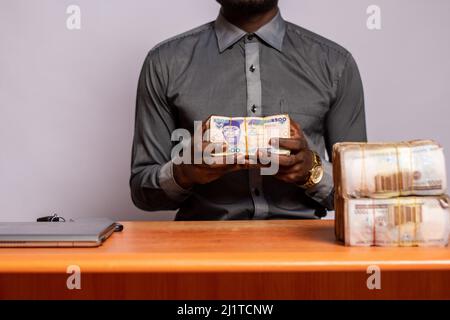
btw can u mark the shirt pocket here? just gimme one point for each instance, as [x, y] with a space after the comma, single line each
[309, 109]
[310, 116]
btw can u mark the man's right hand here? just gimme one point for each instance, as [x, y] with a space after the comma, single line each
[188, 175]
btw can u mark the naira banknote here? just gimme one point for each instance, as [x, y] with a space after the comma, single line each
[246, 135]
[383, 170]
[403, 221]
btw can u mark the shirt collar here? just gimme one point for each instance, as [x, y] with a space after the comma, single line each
[272, 32]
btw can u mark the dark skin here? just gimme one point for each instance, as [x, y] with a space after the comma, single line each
[292, 169]
[188, 175]
[249, 23]
[295, 167]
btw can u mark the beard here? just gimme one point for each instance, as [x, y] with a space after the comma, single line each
[248, 6]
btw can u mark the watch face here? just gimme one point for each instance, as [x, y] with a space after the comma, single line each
[316, 174]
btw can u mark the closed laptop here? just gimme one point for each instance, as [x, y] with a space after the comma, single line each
[86, 233]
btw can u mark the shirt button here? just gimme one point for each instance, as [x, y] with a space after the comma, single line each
[250, 37]
[253, 108]
[252, 68]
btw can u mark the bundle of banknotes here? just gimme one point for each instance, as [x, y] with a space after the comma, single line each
[391, 194]
[401, 221]
[245, 135]
[383, 170]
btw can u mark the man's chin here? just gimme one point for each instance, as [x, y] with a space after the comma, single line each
[248, 6]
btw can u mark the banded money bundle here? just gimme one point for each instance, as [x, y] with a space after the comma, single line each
[384, 170]
[391, 194]
[245, 135]
[401, 221]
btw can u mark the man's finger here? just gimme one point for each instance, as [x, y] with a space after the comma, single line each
[296, 129]
[285, 161]
[293, 144]
[288, 177]
[297, 167]
[206, 124]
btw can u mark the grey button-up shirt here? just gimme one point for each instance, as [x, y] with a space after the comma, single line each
[218, 69]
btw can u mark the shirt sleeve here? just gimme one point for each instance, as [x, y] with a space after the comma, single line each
[323, 191]
[345, 121]
[169, 185]
[151, 181]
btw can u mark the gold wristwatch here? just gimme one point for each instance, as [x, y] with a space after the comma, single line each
[316, 172]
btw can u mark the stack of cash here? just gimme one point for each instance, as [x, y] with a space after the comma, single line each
[391, 194]
[245, 135]
[401, 221]
[384, 170]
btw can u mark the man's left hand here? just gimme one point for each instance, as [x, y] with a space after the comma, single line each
[294, 168]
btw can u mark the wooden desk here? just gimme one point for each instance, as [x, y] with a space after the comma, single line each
[225, 260]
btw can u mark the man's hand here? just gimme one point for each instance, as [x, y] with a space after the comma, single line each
[188, 175]
[295, 167]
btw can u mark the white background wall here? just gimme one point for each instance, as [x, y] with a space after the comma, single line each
[67, 97]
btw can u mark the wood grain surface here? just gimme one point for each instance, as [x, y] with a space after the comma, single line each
[287, 259]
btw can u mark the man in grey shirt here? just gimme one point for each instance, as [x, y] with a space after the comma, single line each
[248, 62]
